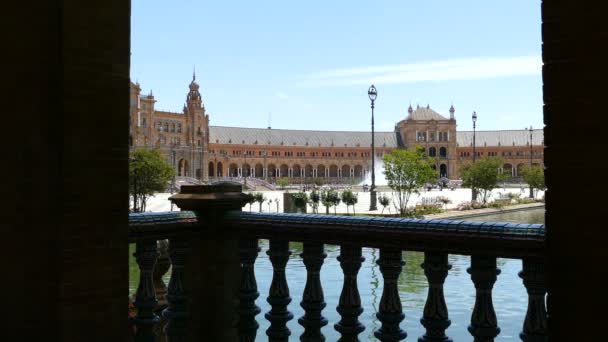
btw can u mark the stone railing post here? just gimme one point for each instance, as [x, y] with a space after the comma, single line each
[435, 316]
[349, 306]
[390, 312]
[535, 325]
[212, 267]
[483, 271]
[146, 254]
[313, 300]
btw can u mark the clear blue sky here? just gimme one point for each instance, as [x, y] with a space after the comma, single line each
[309, 63]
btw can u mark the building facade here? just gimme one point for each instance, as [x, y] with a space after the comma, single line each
[198, 150]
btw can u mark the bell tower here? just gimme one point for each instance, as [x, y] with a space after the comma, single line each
[197, 127]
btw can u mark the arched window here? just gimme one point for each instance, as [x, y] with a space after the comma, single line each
[432, 152]
[443, 152]
[143, 122]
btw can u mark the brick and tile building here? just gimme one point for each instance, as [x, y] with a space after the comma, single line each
[196, 149]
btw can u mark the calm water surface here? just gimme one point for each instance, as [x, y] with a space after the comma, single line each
[509, 296]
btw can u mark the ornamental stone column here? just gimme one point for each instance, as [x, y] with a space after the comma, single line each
[212, 267]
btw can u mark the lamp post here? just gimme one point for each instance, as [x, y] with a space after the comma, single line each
[265, 171]
[173, 163]
[373, 94]
[160, 131]
[131, 161]
[245, 175]
[531, 190]
[474, 191]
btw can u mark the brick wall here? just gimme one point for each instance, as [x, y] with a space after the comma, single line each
[574, 74]
[66, 237]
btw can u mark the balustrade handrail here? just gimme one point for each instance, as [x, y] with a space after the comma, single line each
[499, 239]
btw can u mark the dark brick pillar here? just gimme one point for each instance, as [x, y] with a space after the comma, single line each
[212, 271]
[574, 91]
[65, 229]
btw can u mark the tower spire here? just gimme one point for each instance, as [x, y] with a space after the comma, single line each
[193, 73]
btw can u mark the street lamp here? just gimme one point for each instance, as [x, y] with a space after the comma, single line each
[160, 131]
[373, 94]
[531, 190]
[131, 161]
[245, 175]
[474, 191]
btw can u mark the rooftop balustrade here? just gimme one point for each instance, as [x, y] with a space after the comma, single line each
[212, 213]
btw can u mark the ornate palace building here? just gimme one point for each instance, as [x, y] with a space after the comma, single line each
[196, 149]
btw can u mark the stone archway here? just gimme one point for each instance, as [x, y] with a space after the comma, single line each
[233, 170]
[211, 169]
[246, 170]
[296, 171]
[220, 169]
[321, 171]
[358, 171]
[284, 170]
[258, 171]
[443, 170]
[345, 171]
[272, 170]
[308, 171]
[183, 168]
[333, 171]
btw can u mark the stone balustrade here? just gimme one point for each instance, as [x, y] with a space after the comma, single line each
[483, 241]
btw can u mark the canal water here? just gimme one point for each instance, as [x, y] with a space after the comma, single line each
[509, 295]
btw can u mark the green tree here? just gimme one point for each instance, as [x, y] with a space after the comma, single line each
[535, 177]
[334, 198]
[385, 201]
[315, 198]
[300, 199]
[406, 172]
[349, 198]
[149, 172]
[483, 175]
[259, 198]
[329, 198]
[325, 200]
[250, 200]
[283, 182]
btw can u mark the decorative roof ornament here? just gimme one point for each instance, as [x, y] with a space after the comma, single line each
[452, 111]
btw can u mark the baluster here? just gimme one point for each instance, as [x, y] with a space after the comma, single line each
[391, 312]
[349, 306]
[145, 254]
[435, 317]
[535, 324]
[176, 312]
[483, 271]
[278, 297]
[248, 292]
[312, 299]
